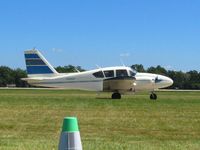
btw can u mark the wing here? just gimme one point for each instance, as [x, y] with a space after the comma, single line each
[119, 84]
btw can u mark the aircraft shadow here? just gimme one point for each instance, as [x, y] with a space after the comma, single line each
[103, 98]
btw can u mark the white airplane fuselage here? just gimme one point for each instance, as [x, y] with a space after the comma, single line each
[117, 80]
[87, 81]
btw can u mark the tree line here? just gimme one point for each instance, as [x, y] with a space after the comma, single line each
[182, 80]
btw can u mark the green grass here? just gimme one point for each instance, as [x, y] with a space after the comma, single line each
[32, 120]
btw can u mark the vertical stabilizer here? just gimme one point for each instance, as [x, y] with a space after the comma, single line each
[37, 65]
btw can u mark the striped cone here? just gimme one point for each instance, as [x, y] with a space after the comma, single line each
[70, 137]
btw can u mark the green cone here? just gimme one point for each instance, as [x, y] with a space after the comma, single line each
[70, 138]
[70, 124]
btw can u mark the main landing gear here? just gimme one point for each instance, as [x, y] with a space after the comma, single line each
[153, 96]
[116, 96]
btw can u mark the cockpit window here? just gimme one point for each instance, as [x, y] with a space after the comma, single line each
[132, 74]
[109, 73]
[98, 74]
[121, 73]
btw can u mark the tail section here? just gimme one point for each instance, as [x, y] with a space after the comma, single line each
[37, 65]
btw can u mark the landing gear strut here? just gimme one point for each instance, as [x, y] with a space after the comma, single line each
[116, 96]
[153, 96]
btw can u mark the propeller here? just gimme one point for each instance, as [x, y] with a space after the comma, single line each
[157, 80]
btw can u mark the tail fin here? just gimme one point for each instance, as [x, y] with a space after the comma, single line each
[37, 65]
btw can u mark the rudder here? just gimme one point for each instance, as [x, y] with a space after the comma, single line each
[36, 64]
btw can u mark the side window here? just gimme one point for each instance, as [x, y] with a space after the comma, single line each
[109, 73]
[121, 73]
[98, 74]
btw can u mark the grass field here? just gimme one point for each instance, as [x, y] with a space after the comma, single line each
[32, 120]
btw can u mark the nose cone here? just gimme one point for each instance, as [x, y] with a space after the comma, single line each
[164, 82]
[170, 81]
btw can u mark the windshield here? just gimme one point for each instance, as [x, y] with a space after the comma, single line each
[132, 72]
[98, 74]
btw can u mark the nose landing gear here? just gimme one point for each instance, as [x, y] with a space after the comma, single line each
[153, 96]
[116, 96]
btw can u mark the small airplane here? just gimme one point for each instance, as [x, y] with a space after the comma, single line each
[118, 80]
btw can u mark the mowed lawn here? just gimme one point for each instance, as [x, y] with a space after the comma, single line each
[32, 120]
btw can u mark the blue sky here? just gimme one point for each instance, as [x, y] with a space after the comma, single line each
[89, 33]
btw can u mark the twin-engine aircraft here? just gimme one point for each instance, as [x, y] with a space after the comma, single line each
[118, 80]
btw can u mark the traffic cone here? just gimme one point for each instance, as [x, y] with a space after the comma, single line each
[70, 137]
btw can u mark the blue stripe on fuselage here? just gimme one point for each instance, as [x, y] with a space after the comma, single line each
[39, 70]
[27, 56]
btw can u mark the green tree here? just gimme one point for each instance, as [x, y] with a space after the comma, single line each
[157, 70]
[18, 74]
[194, 80]
[68, 69]
[138, 68]
[6, 76]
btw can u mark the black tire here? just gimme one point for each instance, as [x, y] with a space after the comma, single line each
[116, 96]
[153, 96]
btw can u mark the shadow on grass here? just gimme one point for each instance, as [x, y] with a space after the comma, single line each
[103, 98]
[107, 98]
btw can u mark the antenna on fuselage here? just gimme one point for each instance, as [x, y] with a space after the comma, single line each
[122, 62]
[98, 66]
[123, 55]
[77, 69]
[34, 48]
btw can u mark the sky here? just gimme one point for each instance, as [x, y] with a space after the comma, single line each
[101, 32]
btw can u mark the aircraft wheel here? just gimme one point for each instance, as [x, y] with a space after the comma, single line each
[153, 96]
[116, 96]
